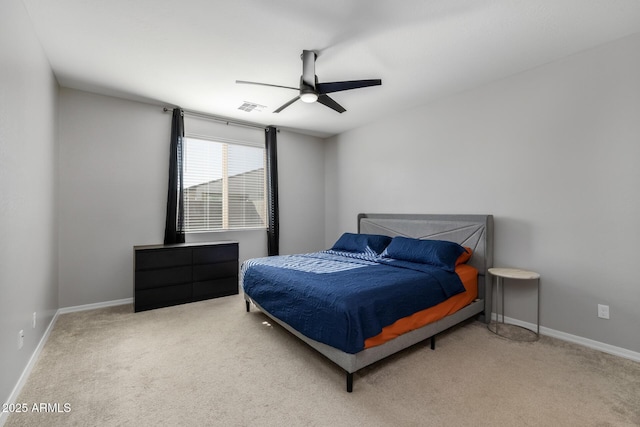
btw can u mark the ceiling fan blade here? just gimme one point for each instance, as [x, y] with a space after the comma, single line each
[244, 82]
[326, 100]
[352, 84]
[287, 104]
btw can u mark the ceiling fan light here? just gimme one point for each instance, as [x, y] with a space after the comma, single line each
[309, 97]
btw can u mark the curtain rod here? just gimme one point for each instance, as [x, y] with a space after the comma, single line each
[216, 118]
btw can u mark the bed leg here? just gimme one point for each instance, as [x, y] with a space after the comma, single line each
[349, 382]
[433, 342]
[248, 305]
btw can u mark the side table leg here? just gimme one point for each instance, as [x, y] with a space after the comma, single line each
[500, 291]
[538, 318]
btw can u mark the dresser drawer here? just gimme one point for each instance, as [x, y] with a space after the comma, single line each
[162, 258]
[147, 299]
[217, 253]
[215, 288]
[162, 277]
[214, 271]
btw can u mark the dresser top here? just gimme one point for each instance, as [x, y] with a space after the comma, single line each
[185, 245]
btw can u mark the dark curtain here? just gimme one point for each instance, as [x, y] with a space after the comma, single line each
[174, 230]
[273, 226]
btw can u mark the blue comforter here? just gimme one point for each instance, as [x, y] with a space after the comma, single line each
[341, 298]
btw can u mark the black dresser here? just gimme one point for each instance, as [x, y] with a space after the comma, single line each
[167, 275]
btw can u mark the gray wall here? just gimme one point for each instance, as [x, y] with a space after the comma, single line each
[113, 177]
[301, 191]
[28, 220]
[552, 153]
[113, 169]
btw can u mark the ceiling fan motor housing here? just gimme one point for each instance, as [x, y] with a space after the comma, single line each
[307, 93]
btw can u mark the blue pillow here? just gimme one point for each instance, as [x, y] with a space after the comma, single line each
[439, 253]
[361, 243]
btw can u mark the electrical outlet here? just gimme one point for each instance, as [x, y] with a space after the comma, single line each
[603, 311]
[20, 339]
[33, 323]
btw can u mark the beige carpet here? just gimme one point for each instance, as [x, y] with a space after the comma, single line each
[211, 363]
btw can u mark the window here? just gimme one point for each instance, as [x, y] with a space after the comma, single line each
[224, 185]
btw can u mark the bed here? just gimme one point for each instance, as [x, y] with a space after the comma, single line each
[341, 301]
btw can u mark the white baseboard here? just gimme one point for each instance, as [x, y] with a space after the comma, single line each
[13, 397]
[85, 307]
[586, 342]
[27, 370]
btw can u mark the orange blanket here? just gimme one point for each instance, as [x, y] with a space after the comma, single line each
[469, 277]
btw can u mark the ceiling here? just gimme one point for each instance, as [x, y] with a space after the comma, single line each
[189, 53]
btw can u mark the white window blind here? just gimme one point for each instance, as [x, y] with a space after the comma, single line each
[224, 183]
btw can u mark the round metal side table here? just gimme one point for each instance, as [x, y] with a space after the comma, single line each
[500, 327]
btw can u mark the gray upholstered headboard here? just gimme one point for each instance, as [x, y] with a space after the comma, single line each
[474, 231]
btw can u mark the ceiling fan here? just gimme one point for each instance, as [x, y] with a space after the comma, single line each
[311, 90]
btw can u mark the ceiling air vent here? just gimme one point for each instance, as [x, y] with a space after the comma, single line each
[251, 106]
